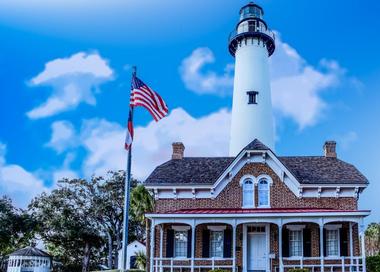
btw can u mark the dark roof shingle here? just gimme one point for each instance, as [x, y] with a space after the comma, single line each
[206, 170]
[30, 251]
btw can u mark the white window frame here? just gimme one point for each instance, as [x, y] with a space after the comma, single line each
[337, 229]
[267, 191]
[211, 242]
[243, 182]
[185, 230]
[293, 228]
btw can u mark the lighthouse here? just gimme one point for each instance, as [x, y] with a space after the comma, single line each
[251, 44]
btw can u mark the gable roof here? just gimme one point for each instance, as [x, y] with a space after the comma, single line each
[323, 170]
[189, 170]
[308, 170]
[256, 145]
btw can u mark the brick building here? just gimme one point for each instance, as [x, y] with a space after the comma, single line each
[255, 210]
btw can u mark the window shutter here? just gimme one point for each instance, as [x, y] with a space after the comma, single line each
[227, 248]
[285, 242]
[189, 243]
[306, 242]
[169, 243]
[324, 242]
[343, 234]
[206, 243]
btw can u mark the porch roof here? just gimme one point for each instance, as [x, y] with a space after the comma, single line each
[257, 210]
[274, 212]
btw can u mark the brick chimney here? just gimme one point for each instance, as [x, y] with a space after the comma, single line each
[178, 151]
[330, 149]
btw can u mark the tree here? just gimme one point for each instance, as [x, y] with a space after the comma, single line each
[17, 227]
[141, 203]
[66, 223]
[372, 235]
[94, 210]
[141, 260]
[107, 196]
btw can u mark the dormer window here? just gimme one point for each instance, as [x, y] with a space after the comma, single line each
[248, 193]
[263, 192]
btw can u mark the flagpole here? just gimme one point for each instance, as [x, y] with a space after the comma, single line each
[127, 188]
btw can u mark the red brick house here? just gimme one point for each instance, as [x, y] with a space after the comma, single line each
[255, 210]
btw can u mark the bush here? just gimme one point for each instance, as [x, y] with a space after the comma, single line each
[298, 270]
[373, 263]
[218, 270]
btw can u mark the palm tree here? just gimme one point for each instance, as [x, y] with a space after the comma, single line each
[141, 203]
[141, 260]
[372, 235]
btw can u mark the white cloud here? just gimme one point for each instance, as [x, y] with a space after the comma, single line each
[65, 171]
[62, 137]
[18, 183]
[74, 80]
[347, 139]
[296, 85]
[103, 140]
[205, 82]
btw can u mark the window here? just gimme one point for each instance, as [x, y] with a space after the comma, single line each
[252, 96]
[248, 193]
[216, 244]
[263, 193]
[180, 244]
[295, 243]
[332, 242]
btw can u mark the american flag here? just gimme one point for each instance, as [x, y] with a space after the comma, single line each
[142, 95]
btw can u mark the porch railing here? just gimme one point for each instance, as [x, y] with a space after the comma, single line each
[186, 263]
[343, 264]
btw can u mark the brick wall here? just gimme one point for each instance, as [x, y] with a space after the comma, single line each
[280, 195]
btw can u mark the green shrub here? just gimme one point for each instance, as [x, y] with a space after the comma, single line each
[373, 263]
[218, 270]
[298, 270]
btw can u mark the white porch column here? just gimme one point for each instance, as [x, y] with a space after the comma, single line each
[245, 262]
[152, 242]
[362, 240]
[161, 245]
[351, 247]
[234, 246]
[321, 249]
[280, 247]
[193, 226]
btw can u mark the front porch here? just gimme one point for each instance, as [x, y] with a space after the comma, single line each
[252, 240]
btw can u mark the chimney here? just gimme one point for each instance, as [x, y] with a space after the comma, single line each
[178, 151]
[330, 149]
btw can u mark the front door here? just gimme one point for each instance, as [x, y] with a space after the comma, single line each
[257, 249]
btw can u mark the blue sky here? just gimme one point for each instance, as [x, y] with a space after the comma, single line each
[325, 78]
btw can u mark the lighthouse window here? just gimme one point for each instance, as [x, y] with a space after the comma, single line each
[252, 97]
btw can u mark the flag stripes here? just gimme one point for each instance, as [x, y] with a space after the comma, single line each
[142, 95]
[129, 136]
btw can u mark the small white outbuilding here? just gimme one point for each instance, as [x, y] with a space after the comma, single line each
[132, 250]
[29, 259]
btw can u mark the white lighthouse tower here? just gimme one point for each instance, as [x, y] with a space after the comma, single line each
[252, 43]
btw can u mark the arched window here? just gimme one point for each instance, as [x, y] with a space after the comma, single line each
[263, 191]
[248, 193]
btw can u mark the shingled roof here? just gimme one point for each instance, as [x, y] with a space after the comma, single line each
[206, 170]
[30, 251]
